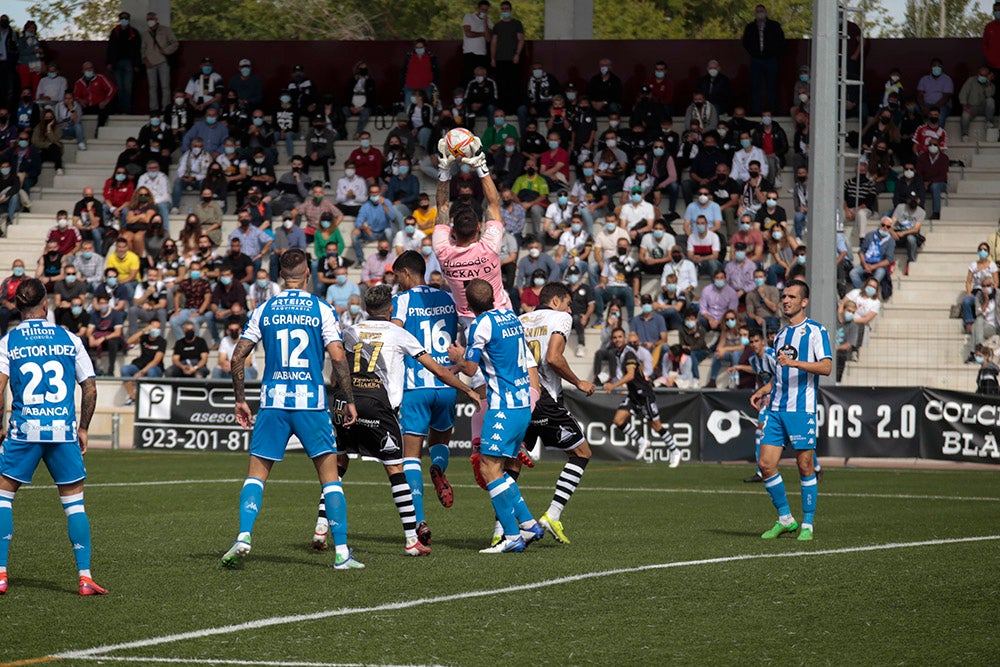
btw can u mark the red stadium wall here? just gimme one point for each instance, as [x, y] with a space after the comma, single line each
[329, 64]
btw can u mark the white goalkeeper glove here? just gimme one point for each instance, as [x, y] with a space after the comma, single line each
[445, 160]
[478, 162]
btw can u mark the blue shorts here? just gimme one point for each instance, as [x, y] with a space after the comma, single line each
[274, 426]
[18, 461]
[503, 432]
[797, 429]
[424, 409]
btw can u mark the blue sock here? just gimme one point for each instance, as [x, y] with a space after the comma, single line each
[503, 505]
[6, 525]
[440, 455]
[79, 529]
[776, 489]
[521, 511]
[251, 498]
[336, 512]
[810, 493]
[415, 478]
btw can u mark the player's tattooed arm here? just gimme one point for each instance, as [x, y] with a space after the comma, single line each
[341, 371]
[88, 402]
[443, 203]
[237, 368]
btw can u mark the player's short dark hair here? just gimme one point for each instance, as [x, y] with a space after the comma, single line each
[411, 261]
[29, 294]
[292, 259]
[801, 284]
[378, 298]
[465, 222]
[552, 291]
[479, 294]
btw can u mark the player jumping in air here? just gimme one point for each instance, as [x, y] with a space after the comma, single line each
[546, 330]
[498, 348]
[802, 354]
[376, 349]
[43, 363]
[641, 400]
[297, 330]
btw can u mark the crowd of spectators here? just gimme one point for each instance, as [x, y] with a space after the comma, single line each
[596, 208]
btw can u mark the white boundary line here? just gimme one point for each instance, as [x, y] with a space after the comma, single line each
[207, 661]
[584, 489]
[100, 651]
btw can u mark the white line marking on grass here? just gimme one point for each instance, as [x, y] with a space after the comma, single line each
[255, 663]
[583, 489]
[100, 651]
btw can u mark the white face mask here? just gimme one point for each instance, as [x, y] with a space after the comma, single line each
[349, 173]
[933, 149]
[713, 72]
[908, 173]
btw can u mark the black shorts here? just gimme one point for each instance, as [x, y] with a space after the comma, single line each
[552, 422]
[375, 434]
[641, 405]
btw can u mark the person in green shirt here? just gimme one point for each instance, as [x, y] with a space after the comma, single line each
[495, 134]
[532, 192]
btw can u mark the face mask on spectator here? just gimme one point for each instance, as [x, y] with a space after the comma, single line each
[771, 203]
[658, 234]
[702, 229]
[538, 282]
[744, 226]
[870, 291]
[719, 284]
[588, 172]
[776, 235]
[610, 227]
[426, 250]
[354, 308]
[759, 282]
[702, 199]
[741, 255]
[195, 275]
[848, 316]
[646, 309]
[349, 173]
[983, 254]
[611, 143]
[534, 253]
[690, 324]
[936, 71]
[801, 259]
[341, 279]
[640, 169]
[658, 152]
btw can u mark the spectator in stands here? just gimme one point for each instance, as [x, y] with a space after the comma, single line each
[534, 260]
[376, 265]
[729, 348]
[977, 97]
[763, 305]
[529, 293]
[191, 172]
[985, 324]
[932, 167]
[716, 298]
[654, 249]
[773, 140]
[178, 117]
[506, 46]
[10, 186]
[211, 133]
[190, 356]
[875, 254]
[68, 289]
[74, 318]
[95, 92]
[704, 247]
[351, 190]
[355, 311]
[105, 333]
[532, 191]
[582, 304]
[158, 44]
[8, 129]
[935, 90]
[850, 335]
[607, 353]
[781, 247]
[764, 41]
[979, 270]
[605, 89]
[557, 217]
[703, 207]
[692, 337]
[125, 262]
[419, 72]
[325, 266]
[52, 87]
[338, 295]
[155, 237]
[247, 85]
[262, 289]
[229, 299]
[204, 89]
[542, 88]
[740, 271]
[747, 155]
[367, 160]
[988, 377]
[234, 325]
[497, 133]
[66, 237]
[880, 165]
[403, 190]
[619, 280]
[481, 97]
[933, 128]
[703, 165]
[49, 268]
[158, 184]
[69, 117]
[8, 288]
[867, 300]
[194, 293]
[650, 327]
[89, 265]
[88, 216]
[702, 111]
[149, 302]
[771, 213]
[670, 303]
[124, 54]
[140, 212]
[716, 87]
[319, 148]
[906, 183]
[47, 138]
[118, 293]
[375, 220]
[149, 363]
[907, 219]
[408, 238]
[685, 272]
[860, 198]
[359, 93]
[800, 201]
[800, 91]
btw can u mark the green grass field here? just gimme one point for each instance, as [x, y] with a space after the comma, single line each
[161, 522]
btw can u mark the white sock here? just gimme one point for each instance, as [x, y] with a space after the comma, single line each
[554, 512]
[807, 525]
[342, 550]
[85, 573]
[786, 519]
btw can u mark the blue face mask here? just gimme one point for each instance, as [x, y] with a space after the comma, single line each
[206, 69]
[375, 199]
[22, 143]
[509, 148]
[731, 323]
[229, 150]
[636, 198]
[870, 291]
[981, 79]
[744, 341]
[759, 282]
[646, 309]
[659, 75]
[701, 229]
[465, 169]
[120, 177]
[325, 224]
[553, 145]
[801, 259]
[936, 71]
[211, 120]
[983, 254]
[112, 281]
[576, 227]
[538, 282]
[610, 227]
[419, 50]
[195, 275]
[409, 229]
[71, 278]
[499, 121]
[426, 250]
[690, 324]
[504, 15]
[573, 278]
[87, 255]
[588, 172]
[740, 255]
[403, 170]
[658, 152]
[658, 234]
[341, 279]
[719, 284]
[640, 169]
[258, 122]
[245, 71]
[979, 358]
[53, 75]
[563, 200]
[226, 280]
[154, 334]
[262, 284]
[285, 99]
[77, 310]
[671, 287]
[745, 143]
[355, 309]
[848, 316]
[18, 271]
[804, 78]
[154, 122]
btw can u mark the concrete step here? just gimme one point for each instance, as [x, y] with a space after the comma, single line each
[979, 187]
[958, 378]
[967, 213]
[940, 296]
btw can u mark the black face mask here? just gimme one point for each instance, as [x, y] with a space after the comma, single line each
[622, 252]
[530, 171]
[801, 179]
[383, 252]
[677, 257]
[886, 119]
[204, 249]
[188, 335]
[234, 334]
[754, 174]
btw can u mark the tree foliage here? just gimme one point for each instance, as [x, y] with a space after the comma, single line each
[441, 19]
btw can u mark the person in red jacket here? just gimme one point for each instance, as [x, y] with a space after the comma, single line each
[991, 45]
[95, 92]
[118, 191]
[420, 72]
[932, 168]
[367, 159]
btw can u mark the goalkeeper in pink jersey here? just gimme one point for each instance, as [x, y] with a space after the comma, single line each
[463, 253]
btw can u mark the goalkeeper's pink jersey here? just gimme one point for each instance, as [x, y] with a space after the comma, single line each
[479, 260]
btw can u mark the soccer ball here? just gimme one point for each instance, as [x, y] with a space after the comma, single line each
[459, 142]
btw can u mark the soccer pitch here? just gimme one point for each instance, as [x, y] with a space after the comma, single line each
[665, 567]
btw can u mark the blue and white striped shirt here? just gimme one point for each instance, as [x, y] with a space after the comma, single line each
[430, 315]
[497, 344]
[795, 390]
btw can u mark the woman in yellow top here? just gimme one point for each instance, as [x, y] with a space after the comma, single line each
[425, 214]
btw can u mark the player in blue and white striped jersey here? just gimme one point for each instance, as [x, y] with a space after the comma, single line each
[763, 363]
[297, 330]
[497, 347]
[43, 363]
[802, 354]
[428, 410]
